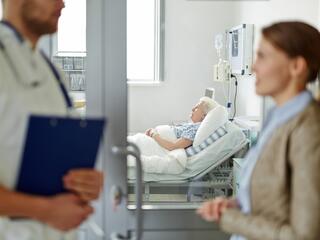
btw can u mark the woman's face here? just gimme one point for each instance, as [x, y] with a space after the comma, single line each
[197, 113]
[272, 70]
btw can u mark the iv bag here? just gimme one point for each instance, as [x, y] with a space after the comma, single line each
[218, 44]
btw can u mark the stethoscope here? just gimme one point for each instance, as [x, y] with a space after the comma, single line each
[50, 64]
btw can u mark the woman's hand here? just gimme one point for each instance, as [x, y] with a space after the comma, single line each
[64, 212]
[213, 210]
[86, 183]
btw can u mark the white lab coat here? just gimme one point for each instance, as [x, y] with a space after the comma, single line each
[20, 68]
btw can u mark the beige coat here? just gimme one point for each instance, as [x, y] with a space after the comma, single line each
[285, 185]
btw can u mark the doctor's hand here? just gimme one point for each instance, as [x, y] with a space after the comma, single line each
[64, 212]
[86, 183]
[213, 210]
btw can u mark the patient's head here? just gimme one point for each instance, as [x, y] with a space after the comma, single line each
[201, 109]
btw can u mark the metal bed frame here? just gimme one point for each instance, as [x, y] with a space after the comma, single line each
[214, 181]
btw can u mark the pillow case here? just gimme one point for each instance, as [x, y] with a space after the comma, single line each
[166, 132]
[216, 118]
[217, 134]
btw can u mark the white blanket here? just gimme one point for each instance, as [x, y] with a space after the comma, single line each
[156, 159]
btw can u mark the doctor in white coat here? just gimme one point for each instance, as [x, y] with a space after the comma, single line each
[30, 84]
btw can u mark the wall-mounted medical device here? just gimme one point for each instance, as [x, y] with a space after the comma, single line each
[240, 48]
[221, 71]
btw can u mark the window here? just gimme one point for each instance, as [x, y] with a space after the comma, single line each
[70, 47]
[144, 40]
[72, 27]
[0, 9]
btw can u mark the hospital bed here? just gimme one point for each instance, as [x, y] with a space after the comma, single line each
[208, 174]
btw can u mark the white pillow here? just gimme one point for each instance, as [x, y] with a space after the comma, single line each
[166, 132]
[214, 119]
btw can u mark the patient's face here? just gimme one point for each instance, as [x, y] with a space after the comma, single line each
[197, 113]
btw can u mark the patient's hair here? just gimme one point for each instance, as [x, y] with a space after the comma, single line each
[297, 39]
[207, 104]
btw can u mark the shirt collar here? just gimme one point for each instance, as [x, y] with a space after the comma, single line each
[298, 102]
[14, 30]
[291, 107]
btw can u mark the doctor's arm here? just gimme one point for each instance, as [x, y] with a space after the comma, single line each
[304, 202]
[63, 212]
[180, 143]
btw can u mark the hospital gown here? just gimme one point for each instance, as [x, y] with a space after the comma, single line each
[186, 130]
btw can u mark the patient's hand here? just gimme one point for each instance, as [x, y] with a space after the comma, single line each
[213, 210]
[148, 132]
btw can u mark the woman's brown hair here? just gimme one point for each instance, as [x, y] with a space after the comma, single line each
[296, 39]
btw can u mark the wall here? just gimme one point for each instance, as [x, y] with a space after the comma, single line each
[190, 54]
[189, 58]
[319, 13]
[264, 13]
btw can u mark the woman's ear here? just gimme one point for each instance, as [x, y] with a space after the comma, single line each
[299, 69]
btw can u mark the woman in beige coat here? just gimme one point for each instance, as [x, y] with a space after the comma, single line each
[279, 195]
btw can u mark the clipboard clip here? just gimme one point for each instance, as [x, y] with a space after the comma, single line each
[54, 122]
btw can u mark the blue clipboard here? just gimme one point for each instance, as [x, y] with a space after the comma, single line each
[53, 146]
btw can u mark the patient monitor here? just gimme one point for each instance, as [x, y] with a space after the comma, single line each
[240, 48]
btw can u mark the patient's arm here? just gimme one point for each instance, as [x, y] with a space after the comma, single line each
[180, 143]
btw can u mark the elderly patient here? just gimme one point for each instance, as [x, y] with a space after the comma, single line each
[163, 147]
[186, 132]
